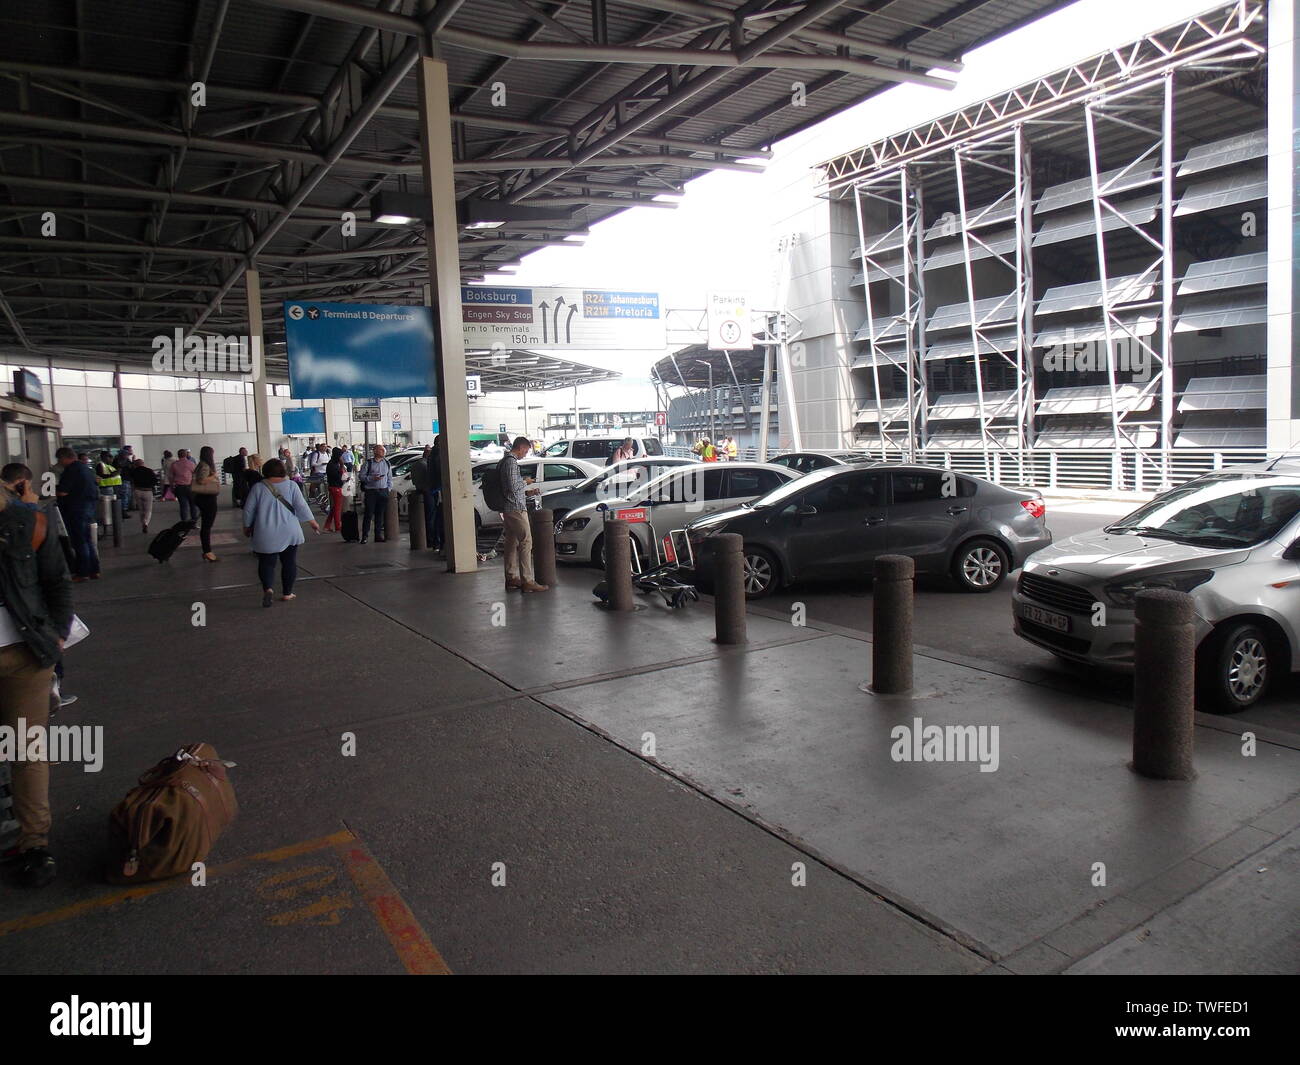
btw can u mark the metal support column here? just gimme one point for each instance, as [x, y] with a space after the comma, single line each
[257, 346]
[444, 281]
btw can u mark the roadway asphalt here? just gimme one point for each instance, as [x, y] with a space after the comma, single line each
[979, 627]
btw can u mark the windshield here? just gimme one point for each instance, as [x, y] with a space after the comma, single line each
[1224, 510]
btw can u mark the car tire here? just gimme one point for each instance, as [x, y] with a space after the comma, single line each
[598, 552]
[762, 572]
[1234, 668]
[980, 565]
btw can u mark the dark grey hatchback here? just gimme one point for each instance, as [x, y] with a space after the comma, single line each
[831, 524]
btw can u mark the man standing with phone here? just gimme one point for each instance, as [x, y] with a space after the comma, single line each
[377, 480]
[518, 535]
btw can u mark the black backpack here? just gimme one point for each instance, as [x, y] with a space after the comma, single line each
[493, 493]
[230, 466]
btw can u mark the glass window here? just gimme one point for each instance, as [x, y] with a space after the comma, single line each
[917, 486]
[561, 471]
[68, 377]
[855, 491]
[1218, 511]
[99, 378]
[746, 484]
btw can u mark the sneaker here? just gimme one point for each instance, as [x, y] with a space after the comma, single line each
[36, 867]
[267, 596]
[66, 700]
[362, 540]
[144, 529]
[533, 586]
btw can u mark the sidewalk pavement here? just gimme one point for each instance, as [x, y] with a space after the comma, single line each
[658, 792]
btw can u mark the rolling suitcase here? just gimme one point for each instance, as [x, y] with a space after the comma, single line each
[351, 527]
[166, 542]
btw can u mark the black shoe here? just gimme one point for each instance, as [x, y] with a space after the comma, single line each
[36, 867]
[362, 540]
[144, 528]
[266, 598]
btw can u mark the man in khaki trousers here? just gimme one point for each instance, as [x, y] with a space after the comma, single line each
[35, 616]
[519, 535]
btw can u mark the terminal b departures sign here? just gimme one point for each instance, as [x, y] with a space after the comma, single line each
[561, 319]
[341, 350]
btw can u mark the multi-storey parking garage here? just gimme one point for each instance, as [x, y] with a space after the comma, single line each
[1069, 280]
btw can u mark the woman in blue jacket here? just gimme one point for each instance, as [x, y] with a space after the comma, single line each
[274, 514]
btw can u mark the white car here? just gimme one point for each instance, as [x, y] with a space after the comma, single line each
[549, 473]
[666, 503]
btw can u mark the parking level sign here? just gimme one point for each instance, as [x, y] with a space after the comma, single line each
[729, 328]
[365, 410]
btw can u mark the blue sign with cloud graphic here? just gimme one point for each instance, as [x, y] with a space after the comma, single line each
[341, 350]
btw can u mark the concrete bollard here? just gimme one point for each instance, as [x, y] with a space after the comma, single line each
[542, 523]
[1164, 685]
[618, 565]
[415, 516]
[729, 588]
[117, 521]
[392, 517]
[891, 625]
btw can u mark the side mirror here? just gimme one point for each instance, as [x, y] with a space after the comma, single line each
[807, 510]
[1292, 553]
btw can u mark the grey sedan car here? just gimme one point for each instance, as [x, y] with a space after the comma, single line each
[1229, 539]
[832, 523]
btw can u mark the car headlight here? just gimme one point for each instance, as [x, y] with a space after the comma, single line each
[1124, 592]
[573, 524]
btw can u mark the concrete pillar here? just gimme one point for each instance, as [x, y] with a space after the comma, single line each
[618, 565]
[542, 523]
[117, 521]
[1164, 684]
[261, 402]
[891, 625]
[444, 285]
[729, 588]
[415, 518]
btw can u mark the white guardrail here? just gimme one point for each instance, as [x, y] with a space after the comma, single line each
[1098, 469]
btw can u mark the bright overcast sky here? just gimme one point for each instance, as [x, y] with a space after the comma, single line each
[721, 236]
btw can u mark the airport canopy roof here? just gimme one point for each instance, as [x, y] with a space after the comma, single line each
[134, 201]
[513, 371]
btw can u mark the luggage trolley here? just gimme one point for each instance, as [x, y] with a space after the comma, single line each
[673, 554]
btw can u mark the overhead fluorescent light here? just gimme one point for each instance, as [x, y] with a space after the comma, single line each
[391, 208]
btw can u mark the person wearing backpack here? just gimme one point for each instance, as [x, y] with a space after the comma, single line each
[511, 494]
[35, 618]
[377, 479]
[274, 514]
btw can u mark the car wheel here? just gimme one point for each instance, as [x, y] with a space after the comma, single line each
[478, 523]
[1234, 668]
[980, 566]
[598, 552]
[761, 572]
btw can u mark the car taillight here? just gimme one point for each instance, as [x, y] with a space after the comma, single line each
[1036, 507]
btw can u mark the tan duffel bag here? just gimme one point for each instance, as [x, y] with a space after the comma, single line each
[172, 819]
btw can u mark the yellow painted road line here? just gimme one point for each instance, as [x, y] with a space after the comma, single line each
[413, 947]
[116, 898]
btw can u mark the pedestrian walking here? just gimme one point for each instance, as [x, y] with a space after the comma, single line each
[35, 618]
[518, 533]
[182, 474]
[143, 482]
[77, 496]
[274, 514]
[335, 474]
[205, 489]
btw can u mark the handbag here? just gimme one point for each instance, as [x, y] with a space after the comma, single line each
[208, 485]
[168, 495]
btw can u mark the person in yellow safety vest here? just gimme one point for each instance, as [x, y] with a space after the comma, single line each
[107, 476]
[706, 450]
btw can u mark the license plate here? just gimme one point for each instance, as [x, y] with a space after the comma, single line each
[1038, 615]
